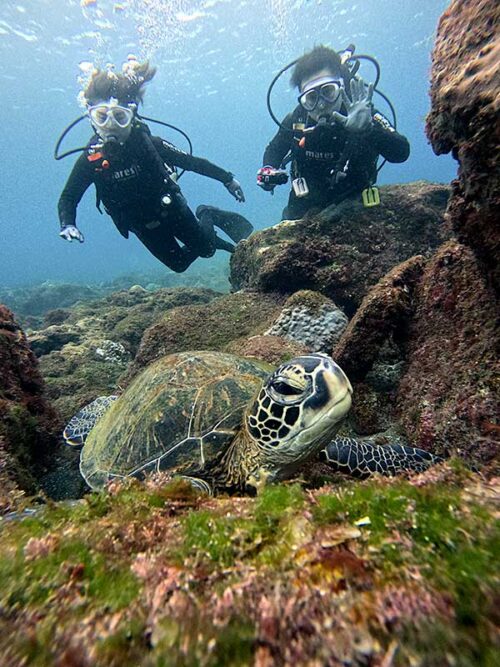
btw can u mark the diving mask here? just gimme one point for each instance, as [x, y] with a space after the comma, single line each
[105, 114]
[328, 91]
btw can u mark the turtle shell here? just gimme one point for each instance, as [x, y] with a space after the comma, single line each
[178, 414]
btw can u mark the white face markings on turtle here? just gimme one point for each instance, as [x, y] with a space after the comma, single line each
[299, 406]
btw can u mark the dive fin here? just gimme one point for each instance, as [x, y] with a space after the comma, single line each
[234, 225]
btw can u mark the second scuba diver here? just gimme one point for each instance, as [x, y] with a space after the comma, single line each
[135, 178]
[333, 138]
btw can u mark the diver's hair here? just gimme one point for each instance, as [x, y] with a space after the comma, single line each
[127, 87]
[321, 57]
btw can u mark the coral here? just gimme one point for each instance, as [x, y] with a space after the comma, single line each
[311, 320]
[346, 249]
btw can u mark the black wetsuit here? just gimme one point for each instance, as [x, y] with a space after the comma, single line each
[130, 184]
[318, 154]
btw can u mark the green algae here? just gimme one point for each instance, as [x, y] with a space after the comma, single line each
[33, 582]
[451, 542]
[225, 539]
[455, 552]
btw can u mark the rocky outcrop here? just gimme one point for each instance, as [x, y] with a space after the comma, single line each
[422, 350]
[449, 395]
[27, 422]
[90, 347]
[383, 315]
[31, 304]
[465, 98]
[346, 249]
[226, 319]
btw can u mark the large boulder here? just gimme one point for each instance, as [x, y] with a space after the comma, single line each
[371, 348]
[449, 395]
[422, 351]
[347, 248]
[27, 422]
[226, 320]
[383, 315]
[465, 96]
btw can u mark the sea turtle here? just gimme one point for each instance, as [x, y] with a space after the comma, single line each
[223, 422]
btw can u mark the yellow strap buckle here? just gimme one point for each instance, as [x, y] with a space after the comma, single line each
[371, 197]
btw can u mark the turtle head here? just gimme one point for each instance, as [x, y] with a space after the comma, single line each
[297, 412]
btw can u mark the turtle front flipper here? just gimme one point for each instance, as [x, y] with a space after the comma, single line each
[363, 458]
[80, 425]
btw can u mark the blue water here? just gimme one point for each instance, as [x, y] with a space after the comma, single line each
[215, 60]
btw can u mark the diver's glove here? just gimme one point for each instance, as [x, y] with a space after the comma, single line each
[70, 232]
[235, 189]
[359, 108]
[268, 178]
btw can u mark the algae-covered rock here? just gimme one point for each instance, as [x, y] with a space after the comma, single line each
[209, 326]
[86, 354]
[383, 314]
[347, 248]
[38, 299]
[155, 574]
[464, 120]
[28, 423]
[449, 394]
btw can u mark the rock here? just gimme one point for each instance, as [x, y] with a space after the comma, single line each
[86, 354]
[56, 316]
[53, 338]
[38, 299]
[464, 119]
[346, 249]
[273, 349]
[449, 395]
[384, 314]
[372, 411]
[423, 350]
[310, 319]
[209, 326]
[28, 423]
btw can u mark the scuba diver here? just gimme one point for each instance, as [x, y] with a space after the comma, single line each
[334, 136]
[135, 177]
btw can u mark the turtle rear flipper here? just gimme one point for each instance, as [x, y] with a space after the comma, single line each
[362, 458]
[80, 425]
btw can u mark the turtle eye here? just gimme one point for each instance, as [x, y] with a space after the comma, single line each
[286, 389]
